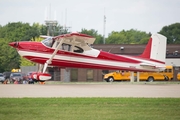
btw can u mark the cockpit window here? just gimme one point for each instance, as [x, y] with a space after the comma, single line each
[68, 47]
[64, 46]
[48, 42]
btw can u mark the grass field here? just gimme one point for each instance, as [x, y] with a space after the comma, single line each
[89, 108]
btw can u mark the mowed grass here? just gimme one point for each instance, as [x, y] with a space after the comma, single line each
[89, 108]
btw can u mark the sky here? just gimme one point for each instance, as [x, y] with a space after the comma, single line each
[143, 15]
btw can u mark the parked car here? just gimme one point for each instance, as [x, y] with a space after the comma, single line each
[16, 77]
[2, 78]
[6, 75]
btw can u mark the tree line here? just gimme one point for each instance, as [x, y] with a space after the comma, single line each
[18, 31]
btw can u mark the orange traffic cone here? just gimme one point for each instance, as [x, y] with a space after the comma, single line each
[5, 82]
[42, 83]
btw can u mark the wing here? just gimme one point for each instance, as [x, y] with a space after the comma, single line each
[78, 37]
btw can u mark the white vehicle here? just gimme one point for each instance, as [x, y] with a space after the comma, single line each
[2, 78]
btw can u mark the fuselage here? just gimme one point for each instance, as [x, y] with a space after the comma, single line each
[96, 59]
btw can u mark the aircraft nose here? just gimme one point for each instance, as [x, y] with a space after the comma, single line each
[14, 44]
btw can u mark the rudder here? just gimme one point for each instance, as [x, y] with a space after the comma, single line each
[156, 48]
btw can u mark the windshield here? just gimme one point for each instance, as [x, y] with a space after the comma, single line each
[48, 42]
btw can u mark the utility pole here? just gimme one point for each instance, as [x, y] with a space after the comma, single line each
[104, 28]
[65, 28]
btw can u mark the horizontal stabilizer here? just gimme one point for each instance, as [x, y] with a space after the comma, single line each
[146, 64]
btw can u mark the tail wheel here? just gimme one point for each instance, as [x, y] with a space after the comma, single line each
[111, 79]
[150, 79]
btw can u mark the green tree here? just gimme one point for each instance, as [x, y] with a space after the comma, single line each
[8, 56]
[59, 30]
[43, 29]
[14, 32]
[128, 37]
[94, 33]
[172, 33]
[25, 62]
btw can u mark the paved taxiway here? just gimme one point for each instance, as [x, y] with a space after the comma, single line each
[90, 90]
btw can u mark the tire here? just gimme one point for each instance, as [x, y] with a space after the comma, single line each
[110, 79]
[107, 80]
[150, 79]
[166, 78]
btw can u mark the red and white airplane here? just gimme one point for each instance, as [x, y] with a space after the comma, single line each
[74, 50]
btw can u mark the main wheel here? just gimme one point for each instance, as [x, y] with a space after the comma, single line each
[111, 79]
[150, 79]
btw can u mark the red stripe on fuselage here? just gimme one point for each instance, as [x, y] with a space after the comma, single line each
[66, 63]
[108, 56]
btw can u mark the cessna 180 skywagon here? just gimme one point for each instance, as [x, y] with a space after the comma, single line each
[74, 50]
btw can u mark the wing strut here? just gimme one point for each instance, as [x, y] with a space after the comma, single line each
[50, 59]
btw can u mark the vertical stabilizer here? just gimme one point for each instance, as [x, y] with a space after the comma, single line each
[156, 48]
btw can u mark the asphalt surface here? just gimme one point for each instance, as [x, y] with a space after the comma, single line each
[90, 90]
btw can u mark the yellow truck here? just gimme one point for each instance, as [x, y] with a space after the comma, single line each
[167, 74]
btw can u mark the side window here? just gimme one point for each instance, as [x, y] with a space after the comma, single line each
[66, 47]
[78, 49]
